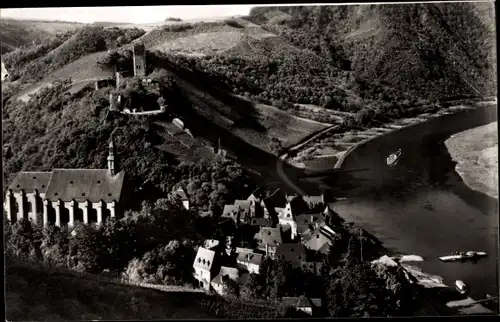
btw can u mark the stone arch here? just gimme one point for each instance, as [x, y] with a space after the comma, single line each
[51, 214]
[14, 215]
[64, 213]
[106, 212]
[78, 214]
[92, 215]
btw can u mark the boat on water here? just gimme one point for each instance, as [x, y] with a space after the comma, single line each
[393, 158]
[457, 256]
[461, 286]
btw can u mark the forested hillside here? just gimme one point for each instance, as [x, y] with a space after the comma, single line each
[410, 51]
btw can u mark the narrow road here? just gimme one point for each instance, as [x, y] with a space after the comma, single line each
[284, 155]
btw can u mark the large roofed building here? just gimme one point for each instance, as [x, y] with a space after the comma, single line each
[64, 196]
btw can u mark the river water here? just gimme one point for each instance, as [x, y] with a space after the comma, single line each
[422, 206]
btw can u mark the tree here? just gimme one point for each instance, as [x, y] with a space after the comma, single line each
[25, 240]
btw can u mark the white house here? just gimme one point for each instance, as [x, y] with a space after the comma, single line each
[203, 266]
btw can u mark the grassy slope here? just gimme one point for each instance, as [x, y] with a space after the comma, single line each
[79, 70]
[33, 293]
[17, 33]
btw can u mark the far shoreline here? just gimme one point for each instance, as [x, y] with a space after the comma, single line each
[468, 148]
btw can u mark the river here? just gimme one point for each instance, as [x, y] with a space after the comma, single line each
[422, 206]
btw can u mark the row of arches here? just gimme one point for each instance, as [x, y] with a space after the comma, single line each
[34, 208]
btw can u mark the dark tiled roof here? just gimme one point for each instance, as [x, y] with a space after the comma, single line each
[294, 253]
[310, 219]
[85, 184]
[259, 222]
[204, 258]
[31, 181]
[230, 211]
[231, 272]
[249, 257]
[270, 236]
[317, 241]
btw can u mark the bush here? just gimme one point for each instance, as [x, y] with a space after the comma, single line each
[170, 264]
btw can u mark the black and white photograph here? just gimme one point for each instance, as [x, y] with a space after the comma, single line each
[243, 161]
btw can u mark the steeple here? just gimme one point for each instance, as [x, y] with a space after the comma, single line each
[111, 158]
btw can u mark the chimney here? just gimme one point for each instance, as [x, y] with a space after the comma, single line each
[248, 256]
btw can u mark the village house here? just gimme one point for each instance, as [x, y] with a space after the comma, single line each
[181, 194]
[270, 239]
[312, 267]
[249, 260]
[204, 267]
[227, 273]
[302, 303]
[309, 221]
[320, 239]
[64, 196]
[293, 253]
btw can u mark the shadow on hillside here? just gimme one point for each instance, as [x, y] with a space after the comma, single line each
[38, 293]
[248, 155]
[242, 112]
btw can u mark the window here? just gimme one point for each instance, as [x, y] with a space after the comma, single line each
[291, 249]
[34, 178]
[71, 181]
[317, 236]
[208, 263]
[199, 260]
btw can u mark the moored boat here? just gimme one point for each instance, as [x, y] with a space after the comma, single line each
[393, 158]
[462, 256]
[461, 286]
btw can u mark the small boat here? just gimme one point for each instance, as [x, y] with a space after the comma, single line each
[393, 158]
[462, 256]
[461, 287]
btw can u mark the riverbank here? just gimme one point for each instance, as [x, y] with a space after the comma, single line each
[476, 154]
[332, 147]
[400, 205]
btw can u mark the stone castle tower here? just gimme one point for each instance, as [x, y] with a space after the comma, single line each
[139, 60]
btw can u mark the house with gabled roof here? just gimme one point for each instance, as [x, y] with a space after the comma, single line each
[63, 196]
[249, 260]
[309, 221]
[226, 273]
[312, 267]
[204, 266]
[183, 197]
[270, 239]
[320, 239]
[293, 253]
[303, 303]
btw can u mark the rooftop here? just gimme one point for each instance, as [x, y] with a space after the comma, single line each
[294, 253]
[270, 236]
[204, 258]
[80, 185]
[31, 181]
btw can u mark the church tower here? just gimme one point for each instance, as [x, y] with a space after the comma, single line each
[111, 158]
